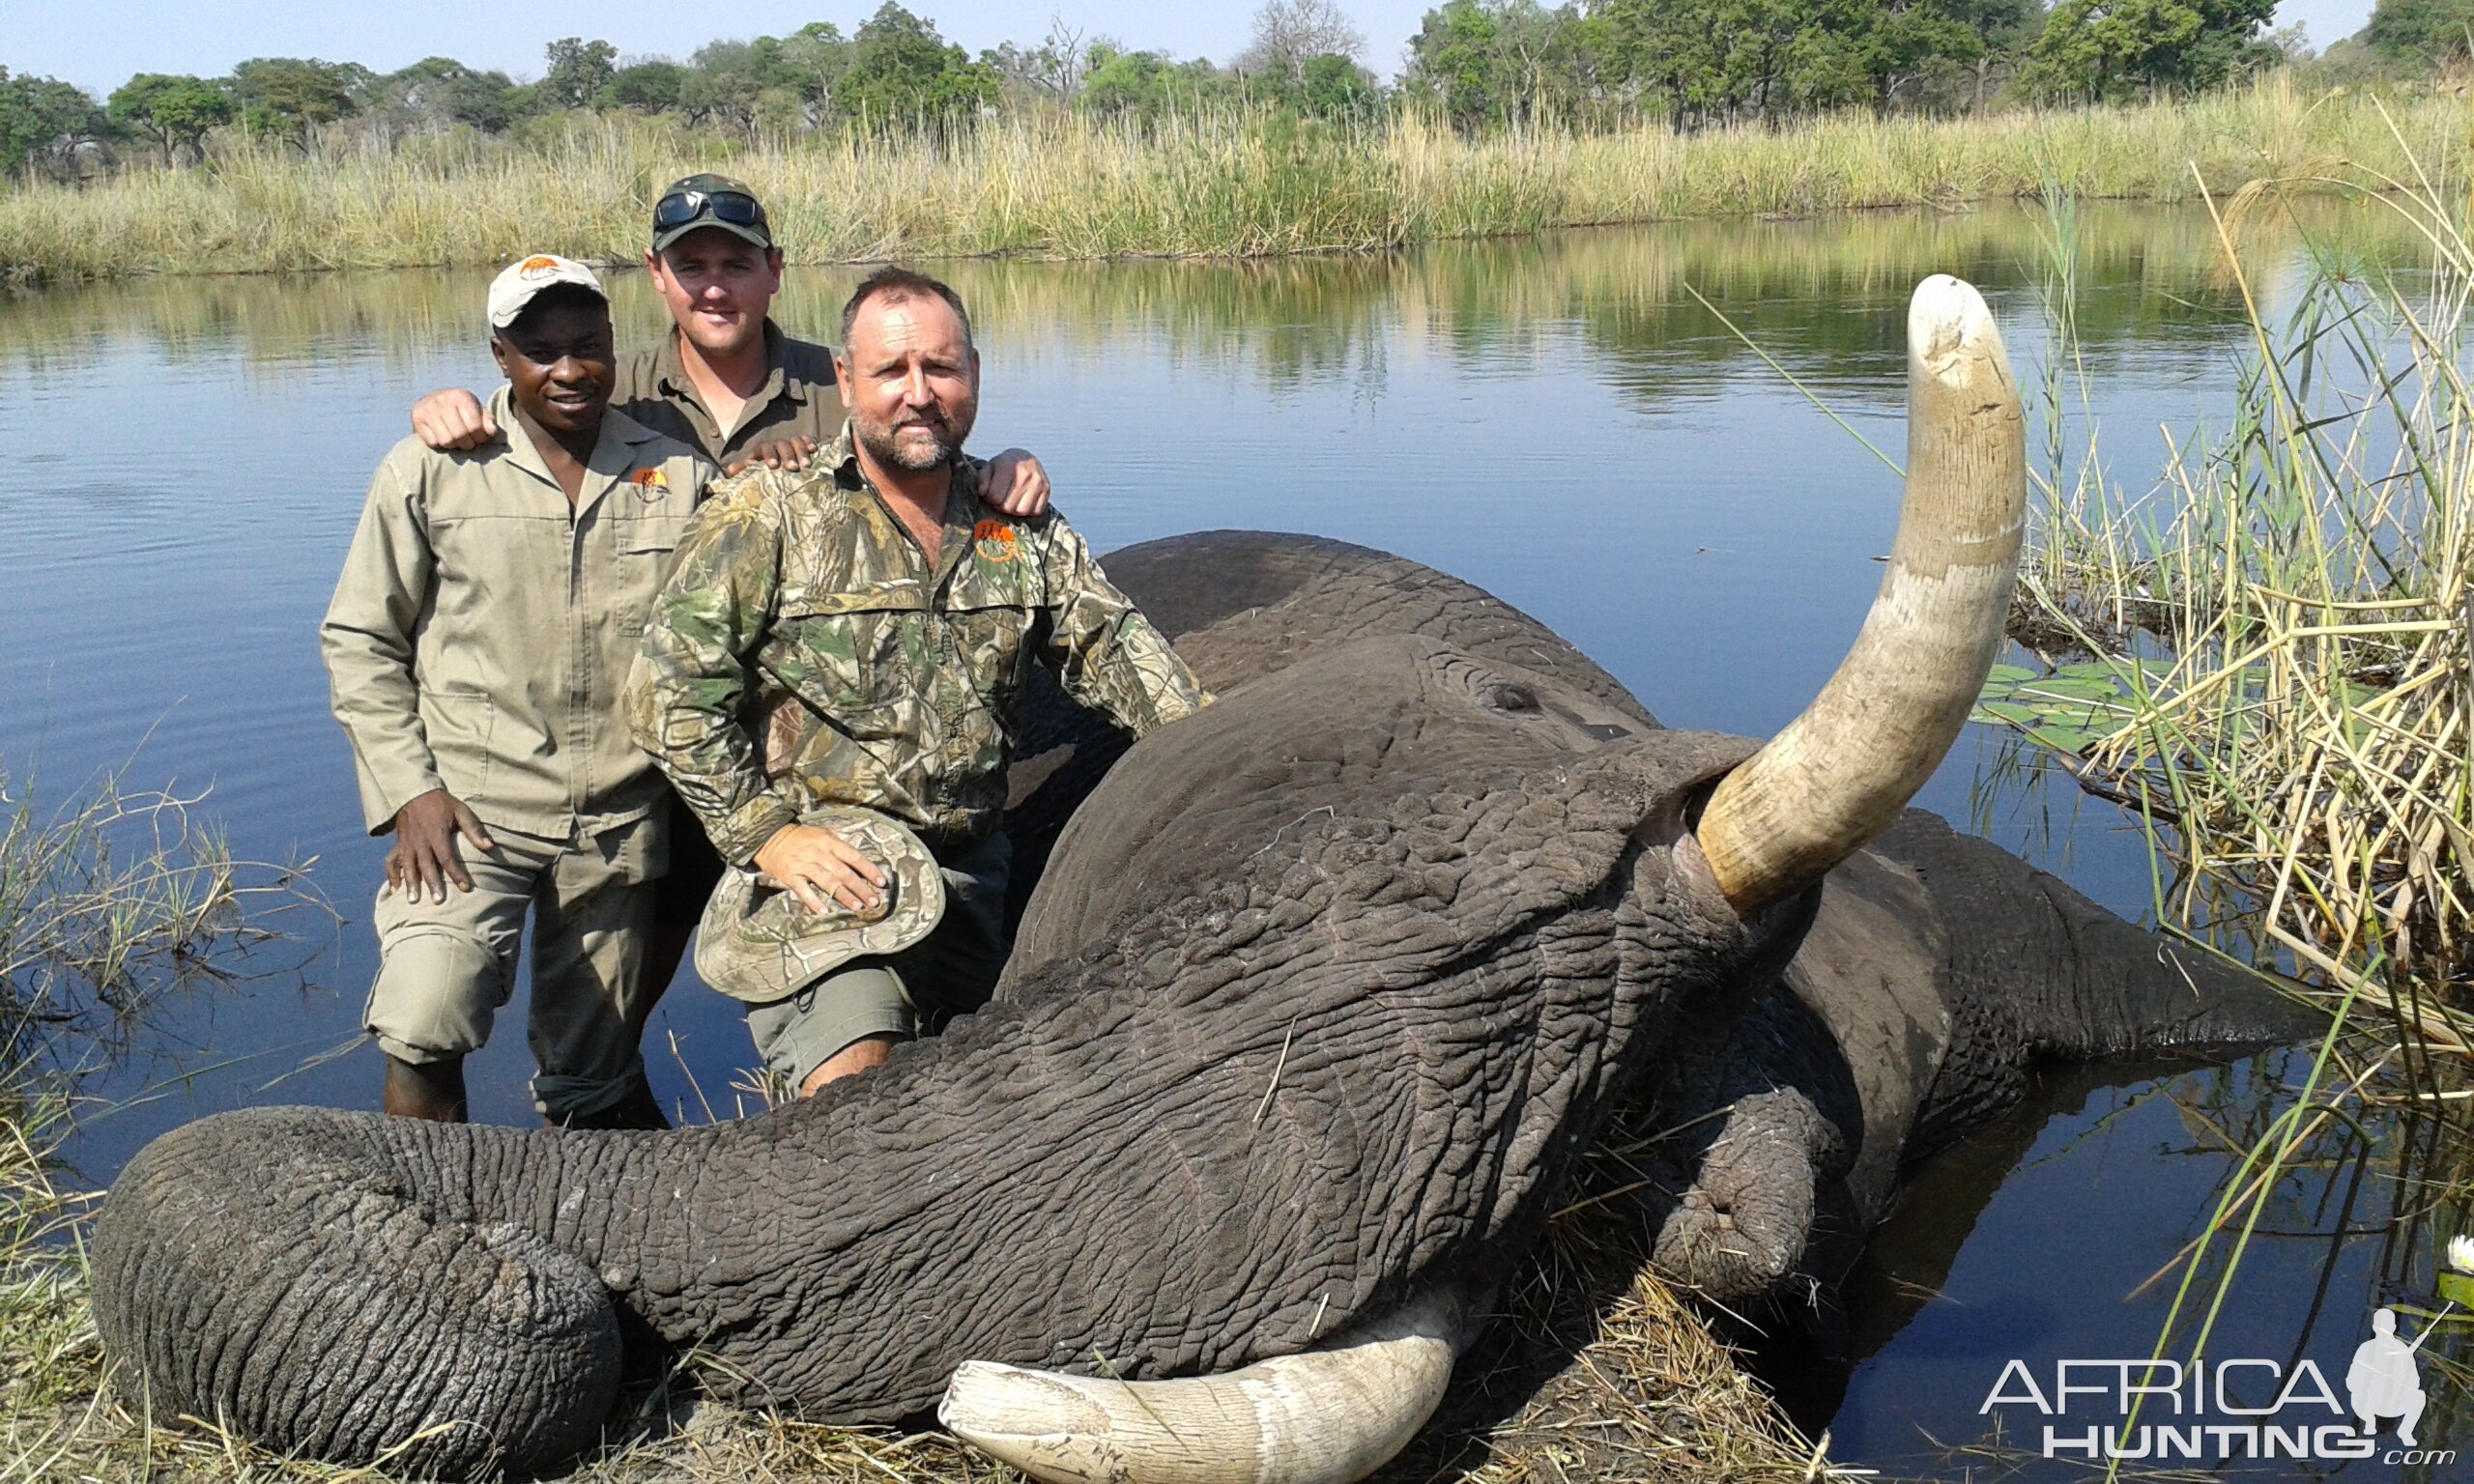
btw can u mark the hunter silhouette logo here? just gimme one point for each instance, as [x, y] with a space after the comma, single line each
[2383, 1382]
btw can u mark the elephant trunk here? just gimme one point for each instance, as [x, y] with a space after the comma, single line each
[369, 1290]
[1839, 773]
[1326, 1415]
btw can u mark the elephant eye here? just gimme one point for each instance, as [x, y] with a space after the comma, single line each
[1515, 697]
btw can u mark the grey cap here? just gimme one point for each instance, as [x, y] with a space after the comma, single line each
[758, 943]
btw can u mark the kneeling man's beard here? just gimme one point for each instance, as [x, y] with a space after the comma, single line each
[883, 445]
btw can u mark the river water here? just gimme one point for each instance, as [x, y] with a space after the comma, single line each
[1558, 419]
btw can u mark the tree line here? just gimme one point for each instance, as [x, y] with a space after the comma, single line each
[1479, 63]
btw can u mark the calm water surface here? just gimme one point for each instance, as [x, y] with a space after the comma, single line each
[182, 464]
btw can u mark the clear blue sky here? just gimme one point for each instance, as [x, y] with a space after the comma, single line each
[99, 43]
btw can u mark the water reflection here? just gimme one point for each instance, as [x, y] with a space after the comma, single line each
[1804, 289]
[1555, 419]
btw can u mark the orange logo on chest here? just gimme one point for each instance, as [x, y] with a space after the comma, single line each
[995, 540]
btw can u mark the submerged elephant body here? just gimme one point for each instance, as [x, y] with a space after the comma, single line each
[1320, 997]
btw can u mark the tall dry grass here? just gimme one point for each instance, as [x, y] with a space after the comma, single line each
[1227, 184]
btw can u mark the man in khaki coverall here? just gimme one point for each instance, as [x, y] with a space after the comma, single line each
[487, 614]
[859, 635]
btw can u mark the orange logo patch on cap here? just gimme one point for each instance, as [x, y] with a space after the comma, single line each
[534, 268]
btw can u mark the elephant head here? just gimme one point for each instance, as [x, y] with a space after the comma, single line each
[1322, 996]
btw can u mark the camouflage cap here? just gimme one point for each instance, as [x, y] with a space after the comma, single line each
[758, 943]
[701, 201]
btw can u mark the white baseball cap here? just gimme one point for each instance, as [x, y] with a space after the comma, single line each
[526, 277]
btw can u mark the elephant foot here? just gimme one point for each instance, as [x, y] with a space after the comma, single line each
[1741, 1226]
[337, 1317]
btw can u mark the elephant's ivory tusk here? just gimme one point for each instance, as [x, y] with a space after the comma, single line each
[1840, 772]
[1329, 1416]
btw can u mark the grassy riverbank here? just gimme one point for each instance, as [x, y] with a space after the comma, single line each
[1229, 185]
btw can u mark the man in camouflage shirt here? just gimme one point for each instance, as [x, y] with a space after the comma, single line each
[857, 634]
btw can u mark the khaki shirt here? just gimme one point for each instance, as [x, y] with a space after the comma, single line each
[481, 631]
[803, 613]
[799, 397]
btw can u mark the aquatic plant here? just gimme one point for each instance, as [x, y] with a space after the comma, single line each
[2268, 656]
[111, 898]
[2267, 652]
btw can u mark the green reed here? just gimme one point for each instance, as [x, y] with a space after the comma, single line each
[2268, 654]
[111, 898]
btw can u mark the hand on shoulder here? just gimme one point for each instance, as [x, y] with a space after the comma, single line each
[1014, 483]
[453, 420]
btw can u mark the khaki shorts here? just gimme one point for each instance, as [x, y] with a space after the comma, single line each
[914, 992]
[448, 968]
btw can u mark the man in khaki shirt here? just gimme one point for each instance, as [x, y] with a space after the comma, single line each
[487, 614]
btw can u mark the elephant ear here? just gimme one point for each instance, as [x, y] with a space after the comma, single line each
[1839, 774]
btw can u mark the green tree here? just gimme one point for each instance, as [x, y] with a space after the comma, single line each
[1905, 46]
[1509, 61]
[1145, 84]
[439, 91]
[656, 86]
[901, 69]
[2122, 48]
[286, 97]
[578, 70]
[1709, 61]
[2005, 29]
[41, 119]
[174, 111]
[2422, 33]
[1331, 86]
[747, 84]
[813, 59]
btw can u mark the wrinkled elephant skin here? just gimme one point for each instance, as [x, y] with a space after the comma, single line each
[1319, 1000]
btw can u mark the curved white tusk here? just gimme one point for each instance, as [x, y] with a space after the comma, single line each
[1330, 1416]
[1840, 772]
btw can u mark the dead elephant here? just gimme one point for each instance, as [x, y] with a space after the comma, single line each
[1322, 997]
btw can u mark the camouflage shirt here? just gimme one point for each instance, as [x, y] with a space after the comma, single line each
[804, 653]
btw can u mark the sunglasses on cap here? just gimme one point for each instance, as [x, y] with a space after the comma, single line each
[680, 208]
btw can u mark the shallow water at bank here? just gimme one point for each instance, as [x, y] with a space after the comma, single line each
[1556, 419]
